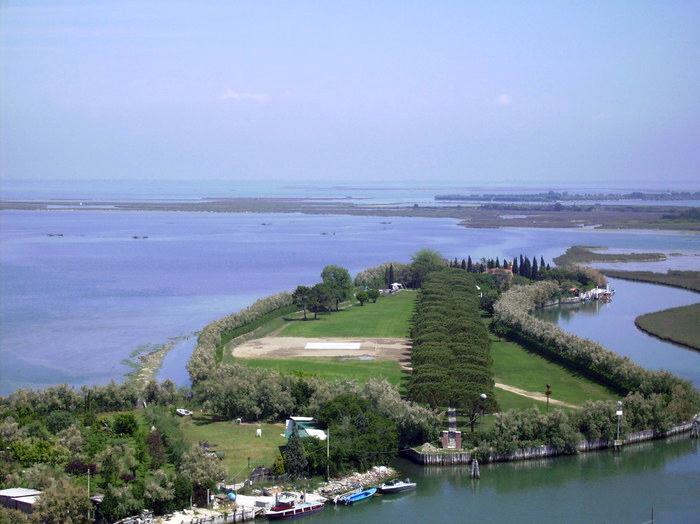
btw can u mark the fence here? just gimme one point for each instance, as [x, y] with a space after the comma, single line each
[447, 458]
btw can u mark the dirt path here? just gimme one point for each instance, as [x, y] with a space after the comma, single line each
[535, 396]
[398, 349]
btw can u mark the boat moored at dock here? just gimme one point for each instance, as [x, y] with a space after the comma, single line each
[397, 486]
[356, 496]
[287, 507]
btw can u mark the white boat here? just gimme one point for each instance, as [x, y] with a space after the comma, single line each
[183, 412]
[397, 486]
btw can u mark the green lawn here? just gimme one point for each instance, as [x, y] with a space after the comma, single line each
[515, 366]
[331, 368]
[389, 318]
[237, 441]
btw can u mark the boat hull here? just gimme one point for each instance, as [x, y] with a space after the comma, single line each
[397, 489]
[295, 512]
[359, 497]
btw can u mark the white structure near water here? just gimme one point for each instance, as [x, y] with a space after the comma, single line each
[304, 427]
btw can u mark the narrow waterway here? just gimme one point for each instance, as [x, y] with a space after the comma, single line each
[612, 325]
[594, 487]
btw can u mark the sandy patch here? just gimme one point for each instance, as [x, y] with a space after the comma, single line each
[398, 349]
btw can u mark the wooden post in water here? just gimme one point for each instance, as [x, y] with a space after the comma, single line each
[475, 473]
[695, 429]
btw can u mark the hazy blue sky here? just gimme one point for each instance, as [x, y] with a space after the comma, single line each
[352, 91]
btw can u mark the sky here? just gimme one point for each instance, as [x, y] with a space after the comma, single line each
[472, 93]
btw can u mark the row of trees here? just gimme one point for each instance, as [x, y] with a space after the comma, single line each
[654, 399]
[522, 266]
[335, 287]
[451, 355]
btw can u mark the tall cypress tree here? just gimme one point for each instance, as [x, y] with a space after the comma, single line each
[515, 266]
[498, 262]
[541, 262]
[521, 265]
[526, 268]
[464, 264]
[534, 269]
[470, 265]
[391, 274]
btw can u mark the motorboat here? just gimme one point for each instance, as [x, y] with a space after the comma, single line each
[397, 486]
[357, 496]
[183, 412]
[287, 507]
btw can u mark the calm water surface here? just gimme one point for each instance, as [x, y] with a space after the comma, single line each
[593, 487]
[73, 307]
[612, 325]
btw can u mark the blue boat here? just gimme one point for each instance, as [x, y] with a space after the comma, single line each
[357, 496]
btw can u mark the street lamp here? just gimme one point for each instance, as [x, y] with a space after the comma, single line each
[618, 413]
[483, 398]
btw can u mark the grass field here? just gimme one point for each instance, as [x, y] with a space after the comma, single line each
[237, 441]
[331, 368]
[679, 324]
[515, 366]
[388, 318]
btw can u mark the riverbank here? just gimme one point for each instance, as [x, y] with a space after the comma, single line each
[657, 217]
[673, 278]
[430, 456]
[680, 325]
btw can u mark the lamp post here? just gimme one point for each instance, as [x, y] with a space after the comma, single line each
[483, 398]
[618, 413]
[548, 393]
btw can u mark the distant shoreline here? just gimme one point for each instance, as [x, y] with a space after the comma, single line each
[537, 216]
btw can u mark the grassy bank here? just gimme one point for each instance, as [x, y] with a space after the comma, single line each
[237, 441]
[679, 324]
[674, 278]
[586, 254]
[515, 366]
[389, 317]
[332, 368]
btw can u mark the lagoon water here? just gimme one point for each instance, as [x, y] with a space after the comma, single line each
[73, 307]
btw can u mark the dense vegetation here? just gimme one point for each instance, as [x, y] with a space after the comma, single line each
[450, 359]
[54, 437]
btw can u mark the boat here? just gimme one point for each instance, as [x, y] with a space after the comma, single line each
[397, 486]
[286, 507]
[183, 412]
[357, 496]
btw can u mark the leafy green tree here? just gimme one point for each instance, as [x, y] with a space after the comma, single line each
[320, 299]
[182, 488]
[59, 420]
[202, 470]
[32, 450]
[424, 262]
[373, 295]
[302, 297]
[159, 491]
[295, 463]
[338, 282]
[120, 502]
[117, 463]
[362, 297]
[278, 466]
[63, 503]
[124, 424]
[156, 448]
